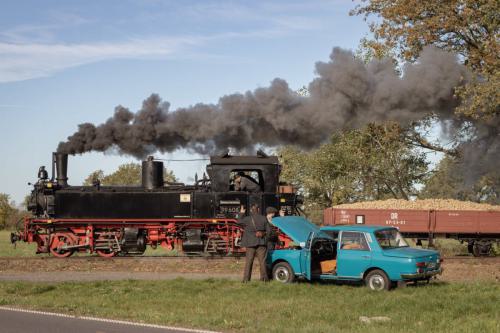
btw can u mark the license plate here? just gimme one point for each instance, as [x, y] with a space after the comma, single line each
[432, 265]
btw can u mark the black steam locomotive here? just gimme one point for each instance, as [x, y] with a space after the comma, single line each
[110, 220]
[210, 197]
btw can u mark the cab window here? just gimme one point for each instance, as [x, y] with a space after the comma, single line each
[246, 180]
[354, 241]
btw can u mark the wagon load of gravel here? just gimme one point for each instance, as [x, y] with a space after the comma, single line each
[426, 204]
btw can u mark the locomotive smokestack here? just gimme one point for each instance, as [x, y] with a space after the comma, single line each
[61, 162]
[152, 173]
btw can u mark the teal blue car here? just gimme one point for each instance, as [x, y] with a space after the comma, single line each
[376, 255]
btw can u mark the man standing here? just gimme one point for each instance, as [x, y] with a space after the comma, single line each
[255, 229]
[272, 236]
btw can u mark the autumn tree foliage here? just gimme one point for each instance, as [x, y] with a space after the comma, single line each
[469, 28]
[10, 213]
[6, 210]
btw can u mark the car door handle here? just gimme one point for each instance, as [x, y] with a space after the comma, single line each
[366, 257]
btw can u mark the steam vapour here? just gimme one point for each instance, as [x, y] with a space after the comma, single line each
[347, 93]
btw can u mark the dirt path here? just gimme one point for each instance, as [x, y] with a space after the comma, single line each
[94, 269]
[61, 276]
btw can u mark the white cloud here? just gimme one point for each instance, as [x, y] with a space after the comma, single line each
[32, 60]
[34, 50]
[23, 60]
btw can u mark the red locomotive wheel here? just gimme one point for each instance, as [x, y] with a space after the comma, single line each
[57, 243]
[106, 253]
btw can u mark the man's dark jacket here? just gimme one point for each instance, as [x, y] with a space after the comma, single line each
[247, 185]
[249, 238]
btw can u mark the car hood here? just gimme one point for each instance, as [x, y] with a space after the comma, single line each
[409, 252]
[298, 228]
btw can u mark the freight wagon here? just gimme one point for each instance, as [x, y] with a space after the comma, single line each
[479, 229]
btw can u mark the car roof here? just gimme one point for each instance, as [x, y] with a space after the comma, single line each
[355, 227]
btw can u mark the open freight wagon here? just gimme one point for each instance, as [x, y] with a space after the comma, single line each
[480, 229]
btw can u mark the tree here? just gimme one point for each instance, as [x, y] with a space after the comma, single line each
[371, 163]
[96, 175]
[6, 210]
[469, 28]
[127, 174]
[447, 182]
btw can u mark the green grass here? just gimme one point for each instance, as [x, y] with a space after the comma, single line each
[22, 249]
[272, 307]
[447, 247]
[451, 247]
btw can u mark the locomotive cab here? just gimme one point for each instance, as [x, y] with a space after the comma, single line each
[264, 171]
[261, 171]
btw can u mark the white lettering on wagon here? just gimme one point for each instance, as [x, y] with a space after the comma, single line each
[402, 222]
[393, 219]
[344, 217]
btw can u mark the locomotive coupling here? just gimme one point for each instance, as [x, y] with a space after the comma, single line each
[14, 238]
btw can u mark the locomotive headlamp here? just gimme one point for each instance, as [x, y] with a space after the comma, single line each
[49, 185]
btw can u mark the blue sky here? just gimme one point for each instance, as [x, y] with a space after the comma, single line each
[63, 63]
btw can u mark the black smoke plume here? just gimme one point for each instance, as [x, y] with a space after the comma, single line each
[480, 155]
[347, 93]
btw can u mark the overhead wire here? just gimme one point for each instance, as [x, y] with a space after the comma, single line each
[184, 160]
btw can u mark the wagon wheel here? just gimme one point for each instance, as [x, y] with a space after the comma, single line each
[481, 249]
[107, 253]
[57, 243]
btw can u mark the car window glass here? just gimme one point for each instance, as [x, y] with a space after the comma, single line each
[333, 234]
[353, 241]
[369, 238]
[390, 238]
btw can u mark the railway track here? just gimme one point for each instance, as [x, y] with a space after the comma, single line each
[196, 258]
[120, 258]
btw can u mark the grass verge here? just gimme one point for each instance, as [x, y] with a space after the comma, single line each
[21, 249]
[272, 307]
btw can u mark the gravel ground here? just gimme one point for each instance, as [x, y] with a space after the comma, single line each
[91, 269]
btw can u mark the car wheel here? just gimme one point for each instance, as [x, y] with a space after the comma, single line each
[377, 280]
[283, 272]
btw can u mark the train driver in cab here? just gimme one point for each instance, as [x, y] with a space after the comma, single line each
[245, 183]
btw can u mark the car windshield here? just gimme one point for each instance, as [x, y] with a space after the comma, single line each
[390, 238]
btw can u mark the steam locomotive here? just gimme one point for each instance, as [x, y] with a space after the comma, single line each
[123, 220]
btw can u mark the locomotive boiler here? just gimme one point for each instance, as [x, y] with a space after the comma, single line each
[198, 219]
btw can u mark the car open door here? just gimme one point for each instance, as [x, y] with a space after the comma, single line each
[354, 255]
[305, 256]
